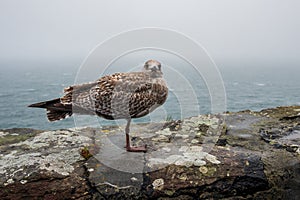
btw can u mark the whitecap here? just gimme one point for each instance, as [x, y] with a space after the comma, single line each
[30, 89]
[260, 84]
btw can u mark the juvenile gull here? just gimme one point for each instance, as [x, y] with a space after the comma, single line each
[116, 96]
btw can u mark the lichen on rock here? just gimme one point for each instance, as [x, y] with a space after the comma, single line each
[238, 155]
[52, 151]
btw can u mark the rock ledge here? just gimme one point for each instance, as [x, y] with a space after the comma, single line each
[242, 155]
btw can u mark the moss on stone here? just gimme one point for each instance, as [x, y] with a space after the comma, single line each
[12, 136]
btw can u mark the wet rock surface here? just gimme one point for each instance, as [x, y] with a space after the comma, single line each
[242, 155]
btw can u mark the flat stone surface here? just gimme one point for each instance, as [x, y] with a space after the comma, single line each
[242, 155]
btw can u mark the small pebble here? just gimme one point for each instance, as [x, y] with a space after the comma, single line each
[134, 179]
[90, 169]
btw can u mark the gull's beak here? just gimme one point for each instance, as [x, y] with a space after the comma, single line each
[154, 69]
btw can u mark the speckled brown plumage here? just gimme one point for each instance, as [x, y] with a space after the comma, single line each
[116, 96]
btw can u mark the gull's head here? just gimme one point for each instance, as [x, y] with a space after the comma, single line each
[154, 67]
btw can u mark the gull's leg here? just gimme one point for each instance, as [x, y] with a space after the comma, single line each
[128, 147]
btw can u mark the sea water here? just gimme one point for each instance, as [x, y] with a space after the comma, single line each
[246, 87]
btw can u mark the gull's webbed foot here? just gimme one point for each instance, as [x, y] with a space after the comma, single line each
[137, 149]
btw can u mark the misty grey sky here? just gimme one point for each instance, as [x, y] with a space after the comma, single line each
[233, 31]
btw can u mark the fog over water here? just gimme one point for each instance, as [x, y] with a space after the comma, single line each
[255, 44]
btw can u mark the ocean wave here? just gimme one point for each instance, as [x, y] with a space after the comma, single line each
[53, 84]
[260, 84]
[30, 90]
[67, 74]
[5, 95]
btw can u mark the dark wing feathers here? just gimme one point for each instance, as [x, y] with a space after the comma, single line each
[55, 109]
[54, 115]
[75, 91]
[121, 95]
[45, 104]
